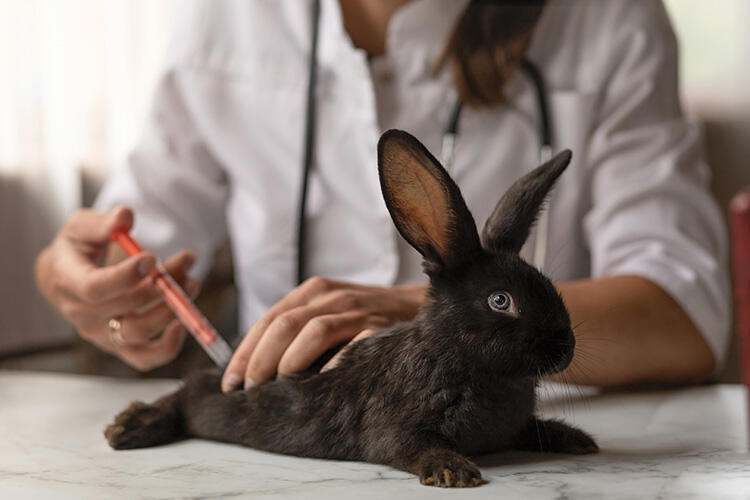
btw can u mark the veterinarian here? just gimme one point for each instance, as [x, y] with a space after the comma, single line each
[633, 238]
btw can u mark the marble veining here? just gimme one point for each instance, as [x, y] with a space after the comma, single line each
[685, 443]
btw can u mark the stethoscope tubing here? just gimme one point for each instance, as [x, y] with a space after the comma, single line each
[310, 129]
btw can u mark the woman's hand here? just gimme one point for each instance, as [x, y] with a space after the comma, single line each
[69, 275]
[315, 316]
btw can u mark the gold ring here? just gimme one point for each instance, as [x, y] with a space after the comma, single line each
[115, 332]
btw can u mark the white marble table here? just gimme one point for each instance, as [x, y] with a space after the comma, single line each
[686, 443]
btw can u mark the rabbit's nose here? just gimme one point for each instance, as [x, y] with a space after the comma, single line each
[565, 343]
[567, 338]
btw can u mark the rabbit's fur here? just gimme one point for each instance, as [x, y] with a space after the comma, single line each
[420, 396]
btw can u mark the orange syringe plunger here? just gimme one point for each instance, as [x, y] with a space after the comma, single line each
[176, 298]
[121, 236]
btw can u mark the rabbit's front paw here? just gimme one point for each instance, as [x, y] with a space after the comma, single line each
[556, 437]
[138, 426]
[577, 442]
[447, 469]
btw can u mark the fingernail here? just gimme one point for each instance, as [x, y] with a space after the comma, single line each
[249, 383]
[192, 288]
[331, 364]
[230, 382]
[146, 266]
[190, 260]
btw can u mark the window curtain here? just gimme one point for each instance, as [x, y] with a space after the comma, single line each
[75, 81]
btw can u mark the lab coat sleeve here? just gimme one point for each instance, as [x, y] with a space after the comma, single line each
[174, 184]
[652, 214]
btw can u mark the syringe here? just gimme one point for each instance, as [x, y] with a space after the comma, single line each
[176, 298]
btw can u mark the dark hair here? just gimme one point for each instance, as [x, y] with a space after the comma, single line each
[487, 46]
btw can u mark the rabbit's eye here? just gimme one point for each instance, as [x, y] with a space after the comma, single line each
[502, 302]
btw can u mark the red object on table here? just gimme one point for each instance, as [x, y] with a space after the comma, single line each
[739, 210]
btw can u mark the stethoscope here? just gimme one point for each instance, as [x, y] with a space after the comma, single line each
[450, 136]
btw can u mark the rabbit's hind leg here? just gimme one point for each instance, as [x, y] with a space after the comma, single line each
[142, 425]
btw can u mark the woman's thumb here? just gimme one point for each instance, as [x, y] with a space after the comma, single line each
[95, 227]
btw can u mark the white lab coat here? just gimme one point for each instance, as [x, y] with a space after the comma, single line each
[222, 151]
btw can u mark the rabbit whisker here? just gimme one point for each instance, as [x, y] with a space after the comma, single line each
[578, 324]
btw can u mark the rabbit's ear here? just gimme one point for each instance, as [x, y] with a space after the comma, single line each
[425, 203]
[510, 223]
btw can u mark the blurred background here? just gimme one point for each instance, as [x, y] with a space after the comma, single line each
[76, 78]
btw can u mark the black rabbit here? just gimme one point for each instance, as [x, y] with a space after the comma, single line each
[458, 380]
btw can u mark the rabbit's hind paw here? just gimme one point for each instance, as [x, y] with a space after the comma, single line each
[141, 425]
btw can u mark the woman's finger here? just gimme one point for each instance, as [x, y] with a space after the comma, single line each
[96, 285]
[234, 374]
[324, 324]
[322, 333]
[179, 264]
[140, 299]
[146, 295]
[157, 353]
[93, 284]
[88, 227]
[317, 318]
[72, 258]
[139, 328]
[136, 327]
[298, 297]
[334, 361]
[263, 363]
